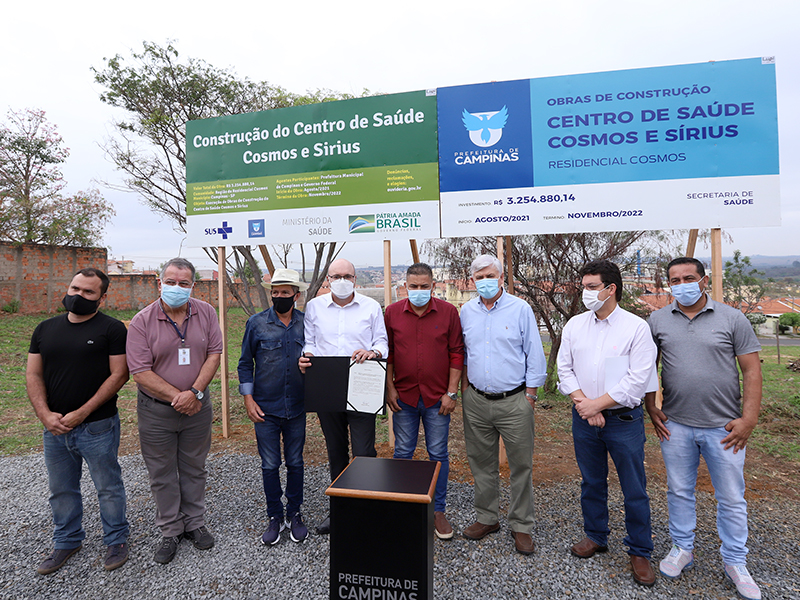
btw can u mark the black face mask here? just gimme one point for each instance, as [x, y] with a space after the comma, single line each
[79, 305]
[282, 304]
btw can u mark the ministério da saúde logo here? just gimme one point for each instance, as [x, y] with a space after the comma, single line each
[362, 224]
[485, 128]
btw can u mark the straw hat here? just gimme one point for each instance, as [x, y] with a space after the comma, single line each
[286, 277]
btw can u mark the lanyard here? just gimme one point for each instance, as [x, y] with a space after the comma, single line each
[175, 325]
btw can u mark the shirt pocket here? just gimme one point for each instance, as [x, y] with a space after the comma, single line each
[270, 351]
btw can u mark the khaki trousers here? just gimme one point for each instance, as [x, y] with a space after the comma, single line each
[174, 448]
[484, 422]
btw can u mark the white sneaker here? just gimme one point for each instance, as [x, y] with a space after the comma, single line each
[745, 585]
[675, 562]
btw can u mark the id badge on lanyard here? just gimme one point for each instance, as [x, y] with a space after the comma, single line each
[184, 356]
[184, 353]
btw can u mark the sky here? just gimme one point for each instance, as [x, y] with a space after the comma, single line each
[352, 45]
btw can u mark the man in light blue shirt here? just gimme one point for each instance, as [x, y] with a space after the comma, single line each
[504, 366]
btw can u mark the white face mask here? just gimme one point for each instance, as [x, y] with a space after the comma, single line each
[342, 288]
[591, 301]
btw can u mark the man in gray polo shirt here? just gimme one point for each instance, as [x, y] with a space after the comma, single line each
[700, 342]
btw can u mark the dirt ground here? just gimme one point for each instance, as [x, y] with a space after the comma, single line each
[554, 458]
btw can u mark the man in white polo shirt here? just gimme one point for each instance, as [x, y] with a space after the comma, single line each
[344, 323]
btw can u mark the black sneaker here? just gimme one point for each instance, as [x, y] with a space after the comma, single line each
[273, 533]
[201, 538]
[116, 556]
[297, 529]
[324, 528]
[167, 550]
[55, 561]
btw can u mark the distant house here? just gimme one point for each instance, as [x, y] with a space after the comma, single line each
[773, 308]
[119, 267]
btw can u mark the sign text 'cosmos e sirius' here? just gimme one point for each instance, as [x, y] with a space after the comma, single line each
[661, 148]
[355, 169]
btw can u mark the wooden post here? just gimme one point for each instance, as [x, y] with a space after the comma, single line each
[690, 245]
[414, 251]
[500, 253]
[387, 300]
[267, 259]
[716, 264]
[223, 325]
[509, 267]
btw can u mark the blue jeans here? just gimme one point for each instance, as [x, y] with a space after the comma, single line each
[437, 431]
[682, 458]
[97, 443]
[622, 438]
[268, 436]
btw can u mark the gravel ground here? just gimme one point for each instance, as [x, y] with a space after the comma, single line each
[239, 567]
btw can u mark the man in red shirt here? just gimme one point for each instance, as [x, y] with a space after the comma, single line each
[426, 357]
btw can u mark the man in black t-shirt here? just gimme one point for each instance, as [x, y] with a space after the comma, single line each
[76, 366]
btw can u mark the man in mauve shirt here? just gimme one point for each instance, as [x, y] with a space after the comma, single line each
[173, 350]
[426, 357]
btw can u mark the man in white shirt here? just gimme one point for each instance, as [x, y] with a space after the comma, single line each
[605, 362]
[344, 323]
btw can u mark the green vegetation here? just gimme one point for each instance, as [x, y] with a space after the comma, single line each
[777, 434]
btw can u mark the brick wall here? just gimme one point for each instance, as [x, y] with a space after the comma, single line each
[133, 291]
[37, 275]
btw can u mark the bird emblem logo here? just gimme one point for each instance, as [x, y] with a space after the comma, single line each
[485, 128]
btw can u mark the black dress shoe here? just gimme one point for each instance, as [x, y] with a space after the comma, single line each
[324, 528]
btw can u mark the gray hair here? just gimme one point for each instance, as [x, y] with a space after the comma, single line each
[483, 261]
[180, 263]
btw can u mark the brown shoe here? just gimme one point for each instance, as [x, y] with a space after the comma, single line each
[441, 527]
[523, 542]
[587, 548]
[478, 531]
[643, 573]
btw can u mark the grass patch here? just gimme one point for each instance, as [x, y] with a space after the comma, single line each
[777, 434]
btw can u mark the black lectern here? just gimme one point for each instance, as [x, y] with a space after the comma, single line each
[382, 529]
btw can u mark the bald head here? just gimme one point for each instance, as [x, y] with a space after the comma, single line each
[341, 266]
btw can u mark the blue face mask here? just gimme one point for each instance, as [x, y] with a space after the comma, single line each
[488, 288]
[174, 295]
[687, 294]
[419, 297]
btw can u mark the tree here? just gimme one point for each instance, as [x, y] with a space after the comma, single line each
[741, 287]
[546, 271]
[791, 319]
[32, 207]
[160, 93]
[756, 319]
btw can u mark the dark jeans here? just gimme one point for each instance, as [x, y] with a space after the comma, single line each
[268, 436]
[97, 443]
[622, 438]
[362, 434]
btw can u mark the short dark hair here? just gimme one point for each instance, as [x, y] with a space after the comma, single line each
[180, 263]
[609, 273]
[92, 272]
[420, 269]
[687, 260]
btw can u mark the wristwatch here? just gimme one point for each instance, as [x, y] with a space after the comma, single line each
[198, 394]
[533, 397]
[453, 396]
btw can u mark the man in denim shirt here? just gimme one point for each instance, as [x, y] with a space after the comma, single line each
[272, 386]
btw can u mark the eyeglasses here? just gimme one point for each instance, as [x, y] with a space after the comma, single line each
[338, 277]
[184, 284]
[593, 287]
